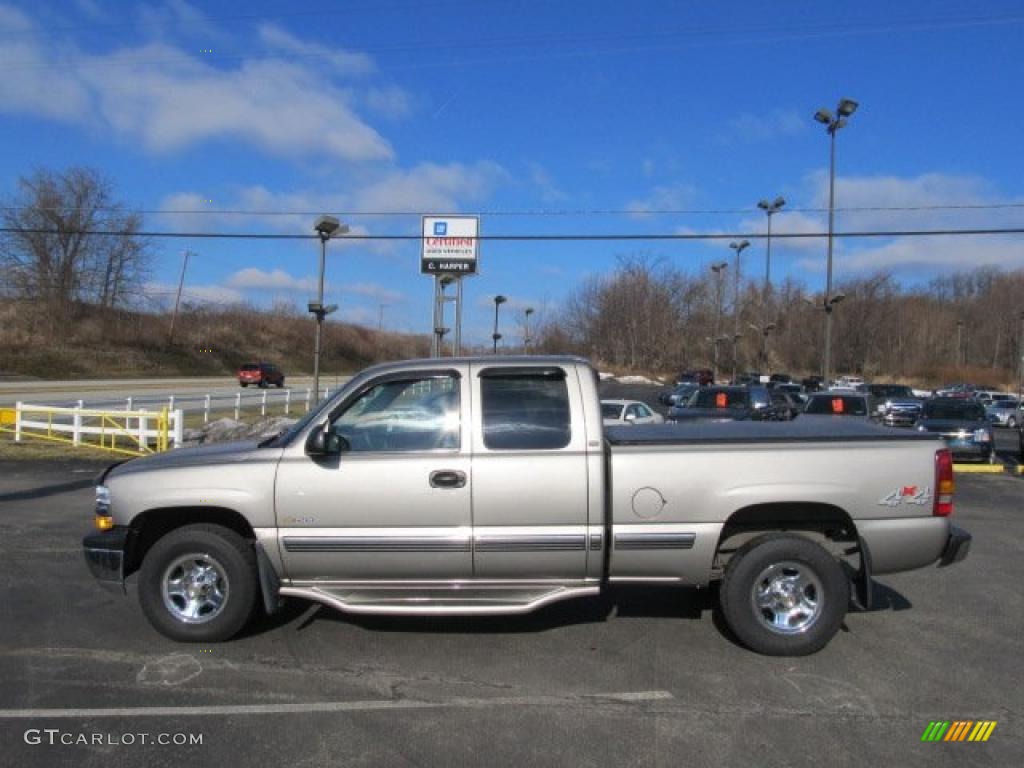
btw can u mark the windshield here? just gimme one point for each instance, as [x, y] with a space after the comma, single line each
[611, 411]
[954, 409]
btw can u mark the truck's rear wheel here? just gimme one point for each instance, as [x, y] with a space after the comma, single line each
[198, 584]
[784, 595]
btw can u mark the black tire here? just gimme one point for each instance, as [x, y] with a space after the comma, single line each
[244, 383]
[280, 383]
[235, 558]
[827, 590]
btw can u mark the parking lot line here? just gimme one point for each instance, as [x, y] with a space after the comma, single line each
[334, 706]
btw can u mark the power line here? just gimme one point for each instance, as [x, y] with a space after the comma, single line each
[554, 45]
[539, 238]
[542, 212]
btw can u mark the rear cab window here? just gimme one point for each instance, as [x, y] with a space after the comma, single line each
[525, 409]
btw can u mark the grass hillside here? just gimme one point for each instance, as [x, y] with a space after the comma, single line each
[207, 342]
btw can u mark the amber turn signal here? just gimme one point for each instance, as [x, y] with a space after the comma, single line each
[103, 522]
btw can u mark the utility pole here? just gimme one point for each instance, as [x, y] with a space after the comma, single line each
[177, 299]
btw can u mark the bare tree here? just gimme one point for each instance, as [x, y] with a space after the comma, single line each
[48, 254]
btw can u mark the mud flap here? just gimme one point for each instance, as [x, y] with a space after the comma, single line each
[270, 584]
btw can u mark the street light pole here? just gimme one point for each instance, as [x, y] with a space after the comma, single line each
[770, 210]
[526, 329]
[832, 124]
[960, 349]
[498, 301]
[326, 227]
[718, 268]
[738, 247]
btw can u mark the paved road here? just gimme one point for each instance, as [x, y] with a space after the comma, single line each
[642, 678]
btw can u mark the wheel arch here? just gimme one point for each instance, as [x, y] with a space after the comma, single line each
[149, 526]
[825, 524]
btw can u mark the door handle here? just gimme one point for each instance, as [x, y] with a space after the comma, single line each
[447, 478]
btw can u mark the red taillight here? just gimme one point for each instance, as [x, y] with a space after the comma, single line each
[944, 486]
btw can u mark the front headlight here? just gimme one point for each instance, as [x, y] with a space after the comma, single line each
[103, 521]
[982, 436]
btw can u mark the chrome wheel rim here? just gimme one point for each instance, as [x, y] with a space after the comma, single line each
[194, 588]
[787, 597]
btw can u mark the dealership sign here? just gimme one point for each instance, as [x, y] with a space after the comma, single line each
[450, 245]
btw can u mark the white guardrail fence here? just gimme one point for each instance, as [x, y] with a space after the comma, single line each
[146, 424]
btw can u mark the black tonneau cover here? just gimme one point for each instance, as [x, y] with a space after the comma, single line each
[804, 429]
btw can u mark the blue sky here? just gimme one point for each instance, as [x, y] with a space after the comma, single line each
[503, 107]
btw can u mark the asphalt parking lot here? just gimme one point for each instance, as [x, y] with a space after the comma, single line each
[641, 678]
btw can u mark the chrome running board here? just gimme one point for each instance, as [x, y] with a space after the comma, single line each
[463, 601]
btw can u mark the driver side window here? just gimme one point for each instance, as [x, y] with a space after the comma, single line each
[415, 414]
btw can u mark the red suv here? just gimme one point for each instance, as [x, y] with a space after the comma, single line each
[260, 374]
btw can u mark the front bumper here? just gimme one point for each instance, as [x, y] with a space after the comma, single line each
[105, 555]
[957, 547]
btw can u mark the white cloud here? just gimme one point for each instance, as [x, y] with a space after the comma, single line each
[253, 279]
[545, 184]
[164, 293]
[166, 98]
[916, 254]
[389, 101]
[343, 61]
[662, 198]
[777, 123]
[276, 280]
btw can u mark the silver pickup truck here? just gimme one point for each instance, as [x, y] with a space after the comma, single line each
[489, 486]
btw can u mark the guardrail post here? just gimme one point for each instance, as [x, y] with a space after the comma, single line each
[238, 403]
[308, 395]
[179, 427]
[76, 435]
[287, 401]
[263, 404]
[143, 441]
[170, 403]
[128, 404]
[206, 410]
[17, 422]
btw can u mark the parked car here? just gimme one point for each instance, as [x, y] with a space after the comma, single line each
[962, 424]
[813, 383]
[730, 403]
[779, 378]
[530, 502]
[1004, 412]
[678, 395]
[896, 404]
[786, 407]
[701, 377]
[626, 412]
[260, 374]
[840, 403]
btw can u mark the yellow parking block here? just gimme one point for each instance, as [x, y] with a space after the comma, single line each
[980, 469]
[7, 416]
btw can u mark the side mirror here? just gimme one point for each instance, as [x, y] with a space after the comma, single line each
[324, 442]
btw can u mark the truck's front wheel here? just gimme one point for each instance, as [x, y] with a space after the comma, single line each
[784, 595]
[198, 584]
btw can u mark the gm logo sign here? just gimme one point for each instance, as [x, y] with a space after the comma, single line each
[440, 228]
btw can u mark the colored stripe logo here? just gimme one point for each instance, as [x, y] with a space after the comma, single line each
[958, 730]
